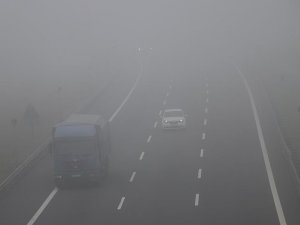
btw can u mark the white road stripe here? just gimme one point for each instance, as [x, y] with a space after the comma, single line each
[167, 95]
[197, 200]
[121, 203]
[206, 109]
[155, 124]
[125, 100]
[276, 198]
[55, 190]
[207, 100]
[199, 173]
[132, 176]
[170, 87]
[206, 84]
[207, 92]
[201, 152]
[165, 102]
[203, 136]
[142, 155]
[149, 139]
[160, 112]
[43, 207]
[205, 122]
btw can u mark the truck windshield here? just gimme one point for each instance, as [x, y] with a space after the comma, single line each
[74, 147]
[75, 131]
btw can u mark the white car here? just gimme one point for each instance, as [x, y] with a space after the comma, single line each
[173, 119]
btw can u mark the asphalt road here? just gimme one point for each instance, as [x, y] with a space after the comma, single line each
[212, 172]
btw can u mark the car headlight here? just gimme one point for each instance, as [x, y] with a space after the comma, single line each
[181, 121]
[165, 121]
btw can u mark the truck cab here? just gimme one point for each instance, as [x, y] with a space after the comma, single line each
[81, 147]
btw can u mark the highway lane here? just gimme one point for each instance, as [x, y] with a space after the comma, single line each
[157, 179]
[129, 133]
[236, 175]
[233, 188]
[278, 154]
[166, 188]
[19, 201]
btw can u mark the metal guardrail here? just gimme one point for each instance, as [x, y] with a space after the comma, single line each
[286, 150]
[41, 149]
[28, 161]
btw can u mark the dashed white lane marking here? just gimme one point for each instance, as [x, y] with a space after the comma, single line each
[55, 190]
[206, 84]
[170, 87]
[274, 191]
[155, 124]
[142, 155]
[165, 102]
[132, 177]
[121, 203]
[207, 100]
[201, 153]
[203, 136]
[206, 109]
[42, 208]
[207, 92]
[199, 173]
[197, 200]
[167, 95]
[160, 112]
[205, 122]
[149, 139]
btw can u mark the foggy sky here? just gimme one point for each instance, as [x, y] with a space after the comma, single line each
[46, 33]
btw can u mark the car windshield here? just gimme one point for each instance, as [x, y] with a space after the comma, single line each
[173, 113]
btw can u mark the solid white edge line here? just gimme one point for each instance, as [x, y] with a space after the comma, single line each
[155, 124]
[197, 200]
[274, 191]
[55, 190]
[121, 203]
[125, 100]
[149, 139]
[43, 207]
[201, 153]
[132, 176]
[142, 155]
[199, 173]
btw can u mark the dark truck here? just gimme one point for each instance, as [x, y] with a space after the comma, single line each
[80, 146]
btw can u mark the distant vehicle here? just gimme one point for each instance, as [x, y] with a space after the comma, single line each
[173, 119]
[81, 147]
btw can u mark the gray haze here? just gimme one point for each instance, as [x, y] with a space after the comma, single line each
[58, 57]
[76, 45]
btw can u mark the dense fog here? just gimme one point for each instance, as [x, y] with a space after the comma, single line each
[55, 54]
